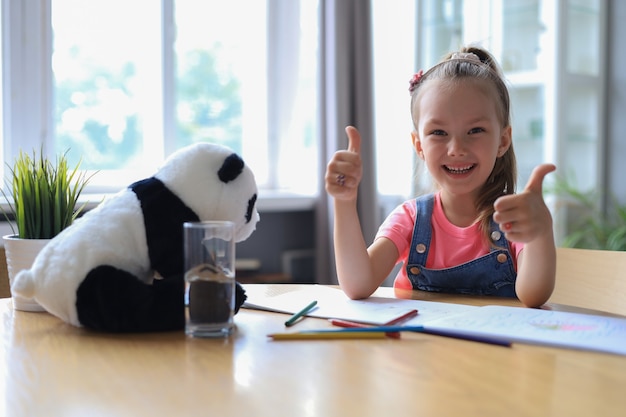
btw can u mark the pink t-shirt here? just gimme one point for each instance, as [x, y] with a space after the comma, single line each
[467, 242]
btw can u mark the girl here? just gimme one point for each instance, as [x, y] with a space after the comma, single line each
[474, 235]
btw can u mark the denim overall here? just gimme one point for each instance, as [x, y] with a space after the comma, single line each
[491, 274]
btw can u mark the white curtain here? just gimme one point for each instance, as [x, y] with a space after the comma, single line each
[346, 99]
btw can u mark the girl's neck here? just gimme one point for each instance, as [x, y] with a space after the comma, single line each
[460, 209]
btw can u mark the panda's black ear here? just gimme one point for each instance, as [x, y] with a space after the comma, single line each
[231, 168]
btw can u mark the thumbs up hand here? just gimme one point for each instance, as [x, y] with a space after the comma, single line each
[524, 216]
[344, 171]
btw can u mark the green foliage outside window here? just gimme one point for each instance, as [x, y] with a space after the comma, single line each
[589, 227]
[97, 120]
[208, 103]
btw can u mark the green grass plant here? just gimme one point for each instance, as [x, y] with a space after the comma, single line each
[44, 195]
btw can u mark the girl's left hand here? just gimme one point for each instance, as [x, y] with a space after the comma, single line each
[525, 216]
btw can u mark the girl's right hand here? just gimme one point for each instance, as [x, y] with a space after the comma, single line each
[344, 171]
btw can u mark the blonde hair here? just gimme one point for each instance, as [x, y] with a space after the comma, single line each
[475, 63]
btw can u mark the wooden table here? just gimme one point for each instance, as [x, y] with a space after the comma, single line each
[54, 369]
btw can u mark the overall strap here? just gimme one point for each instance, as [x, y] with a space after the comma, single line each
[422, 231]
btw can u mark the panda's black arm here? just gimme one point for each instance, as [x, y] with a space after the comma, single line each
[164, 214]
[113, 300]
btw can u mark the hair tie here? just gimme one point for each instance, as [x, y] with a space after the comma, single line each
[413, 82]
[470, 56]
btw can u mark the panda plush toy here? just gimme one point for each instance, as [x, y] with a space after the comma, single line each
[119, 267]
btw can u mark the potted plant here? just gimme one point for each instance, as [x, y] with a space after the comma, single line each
[43, 201]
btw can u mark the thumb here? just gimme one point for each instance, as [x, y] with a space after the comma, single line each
[354, 139]
[535, 182]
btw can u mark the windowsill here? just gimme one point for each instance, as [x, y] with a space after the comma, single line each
[274, 201]
[269, 201]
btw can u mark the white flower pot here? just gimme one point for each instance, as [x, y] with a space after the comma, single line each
[20, 254]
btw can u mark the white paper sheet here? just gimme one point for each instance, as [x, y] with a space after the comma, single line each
[333, 303]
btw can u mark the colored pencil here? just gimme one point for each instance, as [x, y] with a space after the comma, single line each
[293, 319]
[446, 333]
[402, 318]
[384, 329]
[327, 335]
[351, 324]
[491, 340]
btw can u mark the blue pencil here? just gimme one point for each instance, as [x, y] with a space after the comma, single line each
[498, 341]
[421, 329]
[385, 329]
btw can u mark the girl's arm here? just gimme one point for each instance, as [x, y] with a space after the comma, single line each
[536, 270]
[360, 270]
[524, 217]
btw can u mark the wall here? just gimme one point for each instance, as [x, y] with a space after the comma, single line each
[279, 233]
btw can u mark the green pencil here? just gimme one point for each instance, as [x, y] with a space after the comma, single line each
[292, 320]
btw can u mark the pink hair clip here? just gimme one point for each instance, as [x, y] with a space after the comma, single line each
[417, 77]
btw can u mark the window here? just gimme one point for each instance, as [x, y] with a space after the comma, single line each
[393, 26]
[123, 84]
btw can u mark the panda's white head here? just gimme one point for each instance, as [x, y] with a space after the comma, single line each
[214, 182]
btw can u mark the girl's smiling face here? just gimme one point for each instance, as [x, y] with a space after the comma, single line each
[459, 134]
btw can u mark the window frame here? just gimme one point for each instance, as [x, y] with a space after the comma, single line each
[26, 83]
[27, 88]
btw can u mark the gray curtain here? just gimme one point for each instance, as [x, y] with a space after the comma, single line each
[346, 99]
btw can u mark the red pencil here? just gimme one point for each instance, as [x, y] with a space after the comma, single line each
[351, 324]
[402, 318]
[346, 323]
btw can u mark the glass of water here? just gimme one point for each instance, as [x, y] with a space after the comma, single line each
[209, 253]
